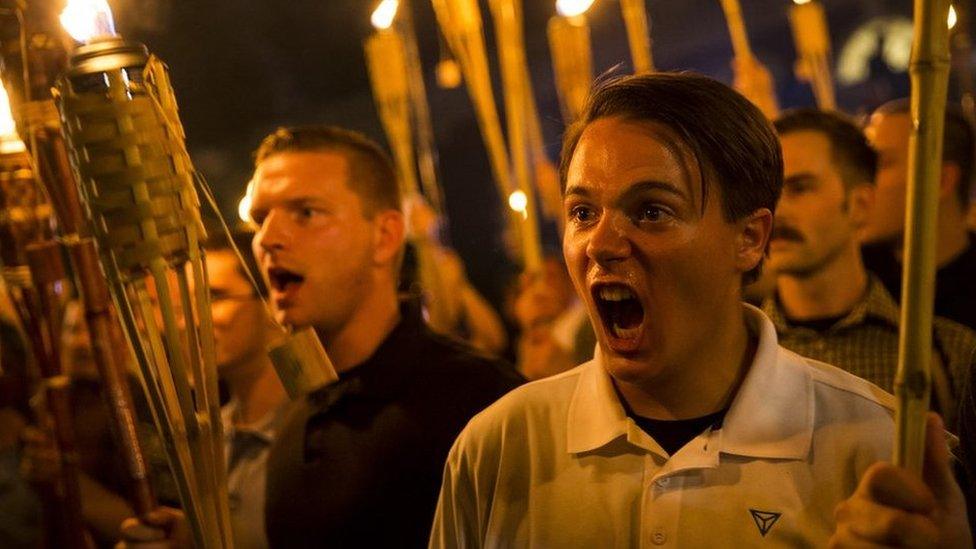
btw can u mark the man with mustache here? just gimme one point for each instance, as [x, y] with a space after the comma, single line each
[356, 464]
[955, 290]
[691, 427]
[827, 306]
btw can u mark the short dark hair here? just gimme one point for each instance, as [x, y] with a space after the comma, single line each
[372, 175]
[849, 148]
[733, 143]
[217, 241]
[958, 141]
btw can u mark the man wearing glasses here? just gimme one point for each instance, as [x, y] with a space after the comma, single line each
[257, 404]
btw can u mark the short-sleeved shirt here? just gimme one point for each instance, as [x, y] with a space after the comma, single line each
[955, 282]
[865, 343]
[558, 463]
[358, 463]
[246, 452]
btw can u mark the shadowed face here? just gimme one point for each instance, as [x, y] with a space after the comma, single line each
[888, 134]
[652, 264]
[815, 221]
[239, 319]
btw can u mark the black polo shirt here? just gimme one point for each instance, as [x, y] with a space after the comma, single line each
[955, 282]
[359, 463]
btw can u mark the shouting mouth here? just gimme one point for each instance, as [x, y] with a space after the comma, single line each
[622, 315]
[284, 283]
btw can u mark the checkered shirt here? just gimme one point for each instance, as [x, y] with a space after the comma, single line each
[865, 343]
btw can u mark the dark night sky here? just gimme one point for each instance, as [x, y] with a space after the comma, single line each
[242, 67]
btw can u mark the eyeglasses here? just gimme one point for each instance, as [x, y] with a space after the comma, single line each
[217, 298]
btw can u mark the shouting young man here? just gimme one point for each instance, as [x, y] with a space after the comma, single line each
[692, 426]
[356, 464]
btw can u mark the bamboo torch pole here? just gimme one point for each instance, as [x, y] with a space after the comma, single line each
[638, 34]
[461, 22]
[507, 16]
[752, 77]
[809, 22]
[929, 70]
[34, 277]
[386, 57]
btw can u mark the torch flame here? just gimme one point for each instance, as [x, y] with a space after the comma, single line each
[952, 16]
[801, 2]
[573, 8]
[9, 140]
[384, 14]
[86, 20]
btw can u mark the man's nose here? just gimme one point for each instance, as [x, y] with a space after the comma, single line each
[272, 235]
[609, 241]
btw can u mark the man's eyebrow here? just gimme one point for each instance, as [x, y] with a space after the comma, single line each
[577, 190]
[802, 177]
[649, 186]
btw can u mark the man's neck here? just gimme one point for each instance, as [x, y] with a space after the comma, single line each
[951, 232]
[359, 338]
[829, 292]
[705, 382]
[257, 393]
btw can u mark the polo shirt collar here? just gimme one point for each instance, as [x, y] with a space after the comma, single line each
[771, 416]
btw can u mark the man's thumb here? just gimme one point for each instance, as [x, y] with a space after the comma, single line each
[937, 470]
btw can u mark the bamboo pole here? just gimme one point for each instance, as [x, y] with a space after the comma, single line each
[386, 57]
[638, 35]
[507, 16]
[929, 70]
[461, 22]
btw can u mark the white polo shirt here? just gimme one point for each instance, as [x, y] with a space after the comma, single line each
[557, 463]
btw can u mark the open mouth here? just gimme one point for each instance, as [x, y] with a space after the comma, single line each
[620, 310]
[282, 280]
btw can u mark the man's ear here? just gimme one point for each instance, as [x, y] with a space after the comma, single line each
[949, 180]
[389, 233]
[754, 232]
[860, 202]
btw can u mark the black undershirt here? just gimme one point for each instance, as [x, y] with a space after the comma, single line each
[673, 434]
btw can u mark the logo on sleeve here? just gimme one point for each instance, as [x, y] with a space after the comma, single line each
[764, 520]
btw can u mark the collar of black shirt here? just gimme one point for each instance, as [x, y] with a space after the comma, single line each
[387, 370]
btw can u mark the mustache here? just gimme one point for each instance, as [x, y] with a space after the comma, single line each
[785, 232]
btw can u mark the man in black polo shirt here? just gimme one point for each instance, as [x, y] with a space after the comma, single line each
[358, 463]
[955, 289]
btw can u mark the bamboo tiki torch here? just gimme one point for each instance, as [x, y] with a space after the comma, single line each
[126, 148]
[929, 70]
[386, 57]
[32, 57]
[809, 22]
[507, 16]
[461, 22]
[638, 34]
[752, 78]
[572, 63]
[35, 279]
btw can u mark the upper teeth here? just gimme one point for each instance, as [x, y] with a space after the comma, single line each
[615, 293]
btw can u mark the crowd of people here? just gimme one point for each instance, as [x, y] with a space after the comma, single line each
[644, 401]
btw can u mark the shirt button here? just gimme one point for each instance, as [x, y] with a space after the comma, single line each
[659, 537]
[663, 482]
